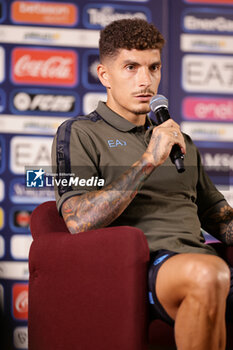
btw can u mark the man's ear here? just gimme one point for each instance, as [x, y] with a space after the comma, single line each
[102, 72]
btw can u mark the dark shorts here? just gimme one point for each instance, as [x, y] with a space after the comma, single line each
[156, 309]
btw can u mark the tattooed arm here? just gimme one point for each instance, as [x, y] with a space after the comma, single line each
[99, 208]
[218, 221]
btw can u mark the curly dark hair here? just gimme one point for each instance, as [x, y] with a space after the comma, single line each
[129, 34]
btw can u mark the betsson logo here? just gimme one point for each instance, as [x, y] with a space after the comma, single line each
[44, 13]
[47, 67]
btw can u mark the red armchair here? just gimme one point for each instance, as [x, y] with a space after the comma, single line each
[89, 291]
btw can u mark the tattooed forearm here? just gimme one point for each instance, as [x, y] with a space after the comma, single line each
[99, 208]
[218, 221]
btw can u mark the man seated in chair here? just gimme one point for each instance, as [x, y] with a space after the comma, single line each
[190, 287]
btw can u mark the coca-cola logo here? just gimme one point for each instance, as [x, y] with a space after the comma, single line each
[44, 67]
[20, 301]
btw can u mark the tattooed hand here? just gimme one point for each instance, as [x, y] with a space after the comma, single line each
[163, 138]
[218, 221]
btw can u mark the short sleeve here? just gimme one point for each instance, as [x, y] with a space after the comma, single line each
[74, 161]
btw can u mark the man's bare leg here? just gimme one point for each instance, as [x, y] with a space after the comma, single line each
[193, 289]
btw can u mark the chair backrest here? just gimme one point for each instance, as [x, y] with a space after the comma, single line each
[45, 219]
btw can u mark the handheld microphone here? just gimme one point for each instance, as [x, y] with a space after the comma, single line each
[159, 105]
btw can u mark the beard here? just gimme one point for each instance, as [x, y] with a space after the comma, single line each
[141, 112]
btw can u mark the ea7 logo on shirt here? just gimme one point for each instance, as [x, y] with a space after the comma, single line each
[116, 143]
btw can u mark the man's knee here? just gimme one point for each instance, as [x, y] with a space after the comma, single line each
[209, 276]
[202, 281]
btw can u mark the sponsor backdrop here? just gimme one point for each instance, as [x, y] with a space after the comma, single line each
[48, 58]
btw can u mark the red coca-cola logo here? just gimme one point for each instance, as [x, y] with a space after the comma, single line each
[44, 67]
[20, 301]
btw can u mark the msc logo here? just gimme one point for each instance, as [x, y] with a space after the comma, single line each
[116, 143]
[35, 178]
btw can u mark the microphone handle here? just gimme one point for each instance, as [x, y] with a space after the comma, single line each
[176, 155]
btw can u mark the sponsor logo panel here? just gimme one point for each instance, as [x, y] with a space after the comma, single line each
[44, 67]
[207, 108]
[89, 72]
[2, 218]
[20, 301]
[44, 102]
[201, 131]
[91, 99]
[2, 190]
[44, 13]
[29, 124]
[20, 194]
[218, 158]
[207, 73]
[20, 218]
[2, 64]
[2, 247]
[208, 21]
[2, 152]
[100, 15]
[49, 36]
[20, 245]
[14, 270]
[26, 151]
[20, 337]
[206, 43]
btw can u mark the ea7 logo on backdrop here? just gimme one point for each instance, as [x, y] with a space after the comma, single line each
[44, 67]
[207, 73]
[116, 143]
[28, 151]
[35, 178]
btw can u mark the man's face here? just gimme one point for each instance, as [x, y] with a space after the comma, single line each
[131, 79]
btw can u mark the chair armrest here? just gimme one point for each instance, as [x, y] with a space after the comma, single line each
[88, 289]
[45, 219]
